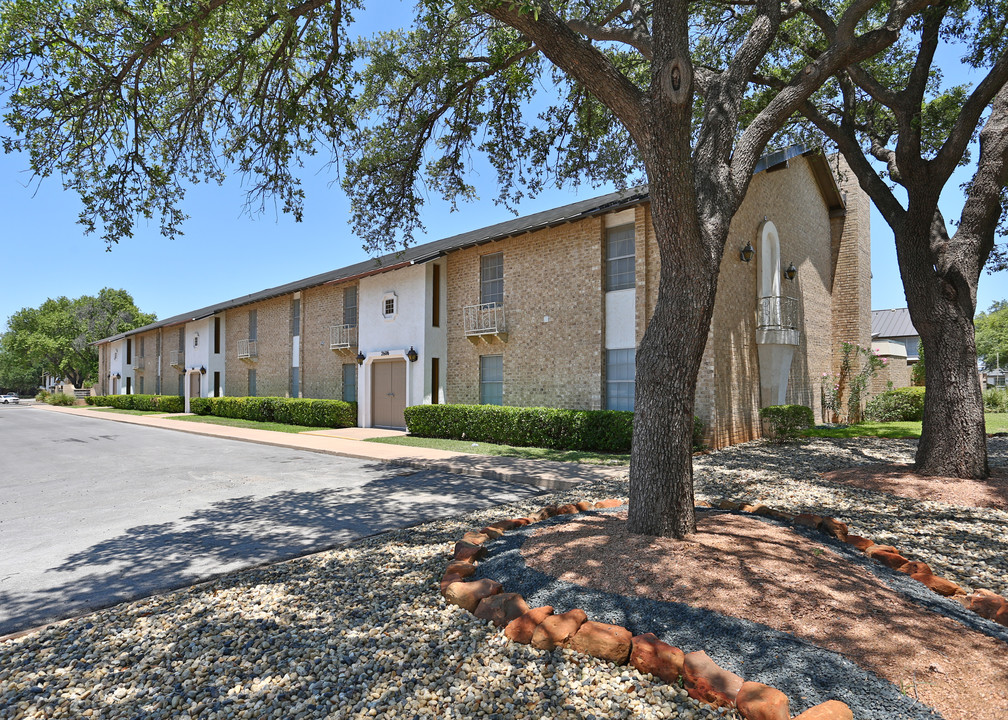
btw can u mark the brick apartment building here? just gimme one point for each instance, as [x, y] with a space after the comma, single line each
[545, 309]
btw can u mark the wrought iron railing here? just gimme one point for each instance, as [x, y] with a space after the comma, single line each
[485, 319]
[777, 312]
[247, 349]
[176, 358]
[342, 337]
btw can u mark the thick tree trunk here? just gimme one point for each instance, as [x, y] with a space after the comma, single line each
[942, 302]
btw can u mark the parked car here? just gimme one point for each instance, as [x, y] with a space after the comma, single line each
[10, 399]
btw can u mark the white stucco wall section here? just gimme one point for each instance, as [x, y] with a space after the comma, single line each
[380, 337]
[620, 328]
[435, 344]
[215, 361]
[117, 365]
[198, 343]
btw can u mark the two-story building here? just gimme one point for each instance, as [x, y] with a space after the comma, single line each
[546, 309]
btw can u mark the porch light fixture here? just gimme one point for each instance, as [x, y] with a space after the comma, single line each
[746, 254]
[412, 354]
[791, 272]
[202, 370]
[360, 358]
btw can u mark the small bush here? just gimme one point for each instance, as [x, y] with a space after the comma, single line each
[698, 433]
[898, 405]
[61, 399]
[289, 411]
[42, 396]
[785, 422]
[995, 400]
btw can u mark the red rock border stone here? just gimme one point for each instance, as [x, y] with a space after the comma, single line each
[985, 603]
[540, 627]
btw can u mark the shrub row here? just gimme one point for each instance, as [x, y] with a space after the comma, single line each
[60, 399]
[289, 411]
[901, 404]
[158, 403]
[588, 430]
[785, 422]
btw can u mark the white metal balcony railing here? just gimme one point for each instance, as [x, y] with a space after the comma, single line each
[247, 349]
[777, 312]
[177, 358]
[138, 363]
[342, 337]
[484, 320]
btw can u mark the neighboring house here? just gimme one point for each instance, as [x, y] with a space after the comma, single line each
[993, 378]
[546, 309]
[895, 339]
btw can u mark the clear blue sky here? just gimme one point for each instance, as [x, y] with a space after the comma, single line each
[225, 253]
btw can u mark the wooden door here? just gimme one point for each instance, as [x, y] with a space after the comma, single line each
[388, 394]
[194, 385]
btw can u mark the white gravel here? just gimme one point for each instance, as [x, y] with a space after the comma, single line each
[362, 631]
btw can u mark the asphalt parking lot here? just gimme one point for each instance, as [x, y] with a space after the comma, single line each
[93, 512]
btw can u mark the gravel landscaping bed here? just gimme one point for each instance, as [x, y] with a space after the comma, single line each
[362, 631]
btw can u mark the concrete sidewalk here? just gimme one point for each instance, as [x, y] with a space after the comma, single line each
[349, 442]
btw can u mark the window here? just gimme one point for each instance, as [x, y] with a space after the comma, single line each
[620, 258]
[129, 388]
[620, 379]
[350, 306]
[295, 385]
[140, 349]
[492, 380]
[139, 385]
[216, 384]
[216, 335]
[435, 379]
[350, 383]
[389, 305]
[195, 340]
[253, 324]
[492, 278]
[296, 319]
[436, 292]
[181, 342]
[129, 353]
[251, 382]
[181, 385]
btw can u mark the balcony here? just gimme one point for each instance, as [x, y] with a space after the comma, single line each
[342, 337]
[484, 322]
[138, 363]
[247, 349]
[777, 312]
[177, 358]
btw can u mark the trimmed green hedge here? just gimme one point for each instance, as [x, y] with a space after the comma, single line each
[289, 411]
[594, 430]
[899, 405]
[158, 403]
[785, 422]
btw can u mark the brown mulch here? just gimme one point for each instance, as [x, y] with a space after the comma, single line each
[899, 479]
[746, 568]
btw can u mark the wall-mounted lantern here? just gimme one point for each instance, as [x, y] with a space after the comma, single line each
[791, 272]
[360, 358]
[202, 370]
[747, 253]
[412, 354]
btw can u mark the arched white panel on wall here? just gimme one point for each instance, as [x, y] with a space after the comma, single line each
[768, 257]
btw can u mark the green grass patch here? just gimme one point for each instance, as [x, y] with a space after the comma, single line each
[128, 412]
[531, 453]
[996, 422]
[253, 424]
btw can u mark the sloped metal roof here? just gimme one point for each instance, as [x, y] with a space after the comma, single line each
[892, 323]
[611, 202]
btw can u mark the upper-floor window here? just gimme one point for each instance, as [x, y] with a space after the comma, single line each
[620, 257]
[253, 324]
[216, 336]
[296, 320]
[350, 306]
[492, 278]
[389, 307]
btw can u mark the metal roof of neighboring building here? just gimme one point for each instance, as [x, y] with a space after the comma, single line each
[611, 202]
[892, 323]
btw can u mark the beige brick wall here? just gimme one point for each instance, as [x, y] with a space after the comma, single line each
[170, 375]
[852, 275]
[554, 273]
[273, 365]
[896, 371]
[322, 368]
[147, 367]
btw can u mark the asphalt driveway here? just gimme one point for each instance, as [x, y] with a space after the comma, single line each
[93, 512]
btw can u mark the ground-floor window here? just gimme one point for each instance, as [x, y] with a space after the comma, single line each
[295, 386]
[129, 387]
[349, 383]
[140, 385]
[216, 383]
[492, 380]
[251, 383]
[181, 385]
[620, 379]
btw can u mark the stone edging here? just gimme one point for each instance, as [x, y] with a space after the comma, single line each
[701, 677]
[985, 603]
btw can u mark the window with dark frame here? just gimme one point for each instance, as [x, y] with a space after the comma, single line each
[620, 367]
[216, 335]
[491, 379]
[251, 383]
[492, 279]
[350, 306]
[129, 352]
[140, 385]
[620, 258]
[436, 292]
[296, 317]
[349, 383]
[435, 373]
[216, 384]
[253, 327]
